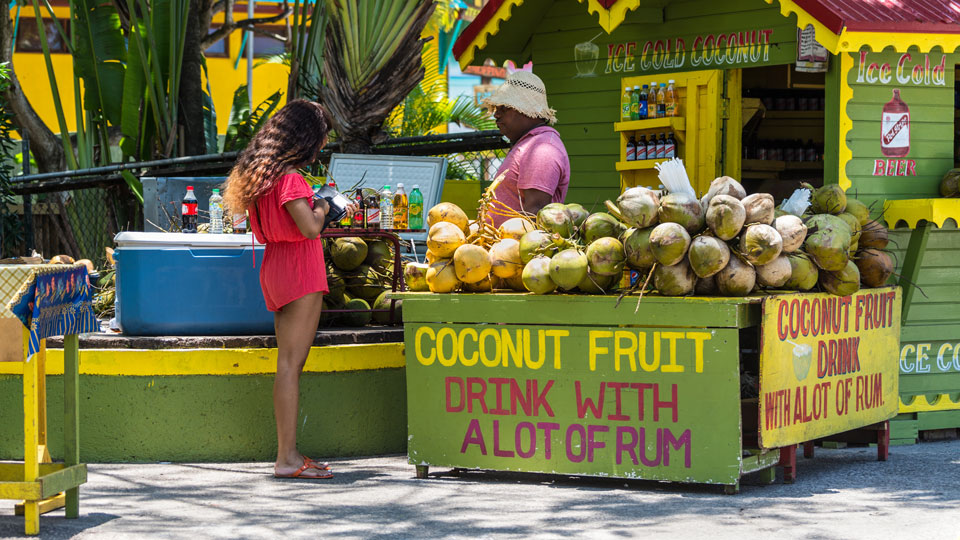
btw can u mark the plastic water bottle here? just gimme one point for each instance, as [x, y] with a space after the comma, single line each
[386, 208]
[216, 213]
[416, 208]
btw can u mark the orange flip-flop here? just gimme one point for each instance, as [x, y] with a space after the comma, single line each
[309, 464]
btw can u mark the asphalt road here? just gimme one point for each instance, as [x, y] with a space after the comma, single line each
[839, 494]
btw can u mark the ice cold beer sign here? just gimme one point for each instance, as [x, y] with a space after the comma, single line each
[901, 72]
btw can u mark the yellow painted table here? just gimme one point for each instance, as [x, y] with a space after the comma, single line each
[41, 301]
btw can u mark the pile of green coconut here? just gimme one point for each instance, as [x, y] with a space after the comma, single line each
[359, 275]
[726, 243]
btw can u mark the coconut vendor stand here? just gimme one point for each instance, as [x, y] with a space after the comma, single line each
[772, 93]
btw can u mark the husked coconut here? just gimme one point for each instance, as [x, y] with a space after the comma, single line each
[725, 216]
[792, 231]
[760, 244]
[775, 273]
[760, 208]
[639, 206]
[675, 280]
[724, 185]
[708, 255]
[736, 279]
[706, 286]
[683, 209]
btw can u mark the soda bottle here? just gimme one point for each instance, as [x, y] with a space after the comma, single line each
[642, 148]
[672, 107]
[642, 106]
[635, 103]
[416, 208]
[315, 188]
[400, 208]
[652, 147]
[359, 219]
[662, 101]
[670, 147]
[188, 212]
[240, 223]
[625, 104]
[632, 149]
[216, 212]
[386, 208]
[661, 147]
[895, 127]
[652, 101]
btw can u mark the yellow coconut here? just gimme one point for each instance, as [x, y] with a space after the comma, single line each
[444, 238]
[505, 258]
[450, 213]
[484, 285]
[441, 277]
[515, 228]
[431, 257]
[472, 263]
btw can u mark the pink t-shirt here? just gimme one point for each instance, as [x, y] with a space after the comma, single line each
[537, 161]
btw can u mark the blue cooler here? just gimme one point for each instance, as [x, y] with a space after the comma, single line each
[173, 284]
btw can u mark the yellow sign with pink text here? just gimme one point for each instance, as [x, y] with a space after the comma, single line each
[828, 364]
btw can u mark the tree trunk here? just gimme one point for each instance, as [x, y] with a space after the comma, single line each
[191, 82]
[46, 147]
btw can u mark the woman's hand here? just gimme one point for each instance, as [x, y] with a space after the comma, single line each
[352, 209]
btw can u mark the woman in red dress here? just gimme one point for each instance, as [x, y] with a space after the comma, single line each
[285, 216]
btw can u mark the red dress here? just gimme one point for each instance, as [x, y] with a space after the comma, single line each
[293, 264]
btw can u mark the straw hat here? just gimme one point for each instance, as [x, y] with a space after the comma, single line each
[524, 92]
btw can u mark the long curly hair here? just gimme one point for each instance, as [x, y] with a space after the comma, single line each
[292, 138]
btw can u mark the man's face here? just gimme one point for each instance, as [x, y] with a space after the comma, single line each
[512, 123]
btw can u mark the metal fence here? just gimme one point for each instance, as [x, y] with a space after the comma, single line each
[79, 212]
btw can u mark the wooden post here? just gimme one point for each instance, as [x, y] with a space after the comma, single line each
[71, 416]
[788, 460]
[31, 433]
[910, 273]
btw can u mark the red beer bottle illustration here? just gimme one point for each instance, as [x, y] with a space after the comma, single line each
[895, 127]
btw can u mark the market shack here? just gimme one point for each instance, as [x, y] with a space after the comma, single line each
[772, 93]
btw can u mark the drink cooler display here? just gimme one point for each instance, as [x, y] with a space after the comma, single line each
[176, 284]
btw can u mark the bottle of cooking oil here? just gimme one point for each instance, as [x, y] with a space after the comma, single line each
[400, 208]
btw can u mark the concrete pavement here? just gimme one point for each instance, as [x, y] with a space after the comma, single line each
[839, 494]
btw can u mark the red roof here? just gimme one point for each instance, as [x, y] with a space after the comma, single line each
[899, 16]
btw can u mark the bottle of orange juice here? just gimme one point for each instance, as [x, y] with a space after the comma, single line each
[672, 103]
[652, 101]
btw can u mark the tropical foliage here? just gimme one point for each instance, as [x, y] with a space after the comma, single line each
[244, 121]
[11, 232]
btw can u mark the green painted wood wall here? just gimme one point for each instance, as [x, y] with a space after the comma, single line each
[588, 106]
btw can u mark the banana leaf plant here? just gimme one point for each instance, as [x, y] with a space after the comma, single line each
[244, 121]
[371, 62]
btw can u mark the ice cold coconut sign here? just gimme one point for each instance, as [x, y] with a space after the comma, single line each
[828, 364]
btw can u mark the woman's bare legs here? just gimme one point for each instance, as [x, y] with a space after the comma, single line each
[296, 328]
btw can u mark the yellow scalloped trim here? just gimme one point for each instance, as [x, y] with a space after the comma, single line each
[941, 402]
[846, 123]
[489, 29]
[824, 35]
[610, 19]
[877, 41]
[912, 211]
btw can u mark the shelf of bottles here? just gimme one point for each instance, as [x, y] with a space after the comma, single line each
[650, 127]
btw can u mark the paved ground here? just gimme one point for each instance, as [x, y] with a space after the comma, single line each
[840, 494]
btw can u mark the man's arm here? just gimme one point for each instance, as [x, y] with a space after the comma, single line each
[534, 199]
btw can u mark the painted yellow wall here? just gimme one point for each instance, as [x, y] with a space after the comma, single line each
[224, 79]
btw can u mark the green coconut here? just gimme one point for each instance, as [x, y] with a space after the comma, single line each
[382, 302]
[775, 273]
[829, 199]
[358, 318]
[675, 280]
[759, 208]
[707, 286]
[875, 267]
[708, 255]
[364, 282]
[600, 225]
[568, 268]
[636, 248]
[859, 210]
[792, 231]
[949, 186]
[596, 284]
[336, 284]
[669, 243]
[415, 277]
[683, 209]
[379, 254]
[828, 241]
[760, 243]
[736, 279]
[536, 276]
[605, 256]
[803, 272]
[554, 218]
[725, 216]
[842, 283]
[639, 207]
[348, 253]
[874, 235]
[578, 214]
[853, 224]
[536, 243]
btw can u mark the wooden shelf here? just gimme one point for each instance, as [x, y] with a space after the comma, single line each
[777, 165]
[638, 165]
[675, 123]
[794, 115]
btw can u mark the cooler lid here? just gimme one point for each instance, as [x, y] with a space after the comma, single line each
[131, 239]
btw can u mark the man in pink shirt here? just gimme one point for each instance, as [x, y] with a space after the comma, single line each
[536, 171]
